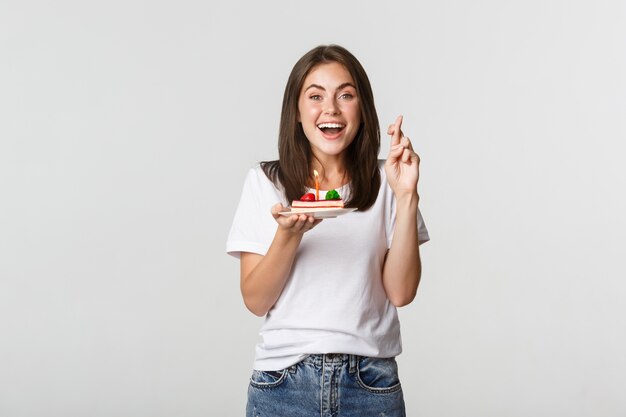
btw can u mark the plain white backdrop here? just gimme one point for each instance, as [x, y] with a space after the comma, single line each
[126, 129]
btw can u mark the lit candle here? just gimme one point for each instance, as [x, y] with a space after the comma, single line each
[317, 185]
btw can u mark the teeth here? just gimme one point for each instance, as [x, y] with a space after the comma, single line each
[330, 125]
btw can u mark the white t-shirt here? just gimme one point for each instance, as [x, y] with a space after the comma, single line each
[334, 300]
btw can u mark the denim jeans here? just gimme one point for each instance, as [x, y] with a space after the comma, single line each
[332, 385]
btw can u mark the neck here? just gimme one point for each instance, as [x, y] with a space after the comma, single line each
[332, 172]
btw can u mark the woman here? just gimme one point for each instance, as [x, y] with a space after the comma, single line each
[329, 289]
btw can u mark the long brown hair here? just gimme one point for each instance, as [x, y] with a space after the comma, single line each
[292, 170]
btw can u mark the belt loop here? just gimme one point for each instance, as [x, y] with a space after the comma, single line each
[353, 363]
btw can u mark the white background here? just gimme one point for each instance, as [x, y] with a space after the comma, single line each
[126, 129]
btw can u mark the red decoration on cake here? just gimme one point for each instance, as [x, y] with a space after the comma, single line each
[306, 203]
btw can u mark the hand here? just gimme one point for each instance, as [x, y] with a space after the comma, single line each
[297, 223]
[402, 165]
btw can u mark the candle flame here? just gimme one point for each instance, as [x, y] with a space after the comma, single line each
[315, 173]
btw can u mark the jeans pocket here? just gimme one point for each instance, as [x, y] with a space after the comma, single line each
[378, 375]
[268, 379]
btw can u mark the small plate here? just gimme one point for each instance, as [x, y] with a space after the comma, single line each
[320, 214]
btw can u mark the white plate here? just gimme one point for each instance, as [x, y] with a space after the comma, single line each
[320, 214]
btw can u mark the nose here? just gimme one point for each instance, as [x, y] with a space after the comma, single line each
[331, 108]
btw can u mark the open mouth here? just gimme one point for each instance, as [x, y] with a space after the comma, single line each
[331, 129]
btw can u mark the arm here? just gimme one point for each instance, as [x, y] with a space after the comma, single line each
[263, 277]
[403, 267]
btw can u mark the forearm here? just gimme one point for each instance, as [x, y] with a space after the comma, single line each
[263, 281]
[403, 268]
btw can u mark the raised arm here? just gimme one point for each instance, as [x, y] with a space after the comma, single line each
[403, 267]
[263, 277]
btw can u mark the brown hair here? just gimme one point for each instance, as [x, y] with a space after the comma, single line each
[292, 170]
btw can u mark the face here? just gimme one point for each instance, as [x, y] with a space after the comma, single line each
[329, 109]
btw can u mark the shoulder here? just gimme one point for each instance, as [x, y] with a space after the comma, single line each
[257, 182]
[256, 178]
[256, 171]
[256, 174]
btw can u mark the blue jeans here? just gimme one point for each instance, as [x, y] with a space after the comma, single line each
[332, 385]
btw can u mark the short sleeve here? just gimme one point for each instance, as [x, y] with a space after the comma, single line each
[253, 226]
[422, 232]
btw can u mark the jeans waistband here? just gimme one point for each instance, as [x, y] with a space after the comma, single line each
[333, 359]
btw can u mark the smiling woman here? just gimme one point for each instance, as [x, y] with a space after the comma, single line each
[329, 111]
[329, 291]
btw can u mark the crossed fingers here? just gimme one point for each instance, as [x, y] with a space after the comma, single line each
[401, 146]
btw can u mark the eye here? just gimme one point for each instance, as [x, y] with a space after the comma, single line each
[346, 96]
[315, 97]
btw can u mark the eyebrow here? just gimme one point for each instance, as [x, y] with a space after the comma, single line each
[323, 89]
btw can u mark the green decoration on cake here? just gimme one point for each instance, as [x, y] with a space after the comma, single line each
[332, 195]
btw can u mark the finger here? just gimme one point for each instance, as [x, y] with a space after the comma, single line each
[276, 209]
[291, 221]
[312, 222]
[397, 124]
[392, 129]
[301, 221]
[304, 222]
[395, 152]
[406, 156]
[406, 142]
[286, 222]
[396, 131]
[410, 157]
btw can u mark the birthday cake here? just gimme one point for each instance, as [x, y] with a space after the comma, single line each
[307, 202]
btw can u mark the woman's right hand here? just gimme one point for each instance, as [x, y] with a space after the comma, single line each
[297, 223]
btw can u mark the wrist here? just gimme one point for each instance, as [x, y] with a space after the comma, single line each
[407, 199]
[285, 236]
